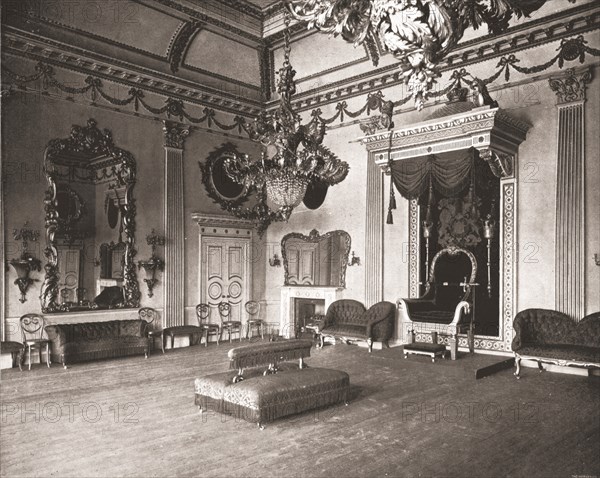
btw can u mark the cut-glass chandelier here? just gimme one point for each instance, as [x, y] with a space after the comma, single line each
[293, 154]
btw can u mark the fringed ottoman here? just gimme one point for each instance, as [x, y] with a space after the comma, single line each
[262, 396]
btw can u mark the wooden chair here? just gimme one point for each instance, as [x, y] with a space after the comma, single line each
[203, 313]
[253, 310]
[32, 331]
[232, 326]
[150, 316]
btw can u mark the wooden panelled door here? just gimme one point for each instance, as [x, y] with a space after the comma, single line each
[225, 274]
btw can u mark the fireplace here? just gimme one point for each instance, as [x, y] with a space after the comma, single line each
[304, 309]
[297, 301]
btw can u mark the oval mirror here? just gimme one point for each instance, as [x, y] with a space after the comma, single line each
[315, 194]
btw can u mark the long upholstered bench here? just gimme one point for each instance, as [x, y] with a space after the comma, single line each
[260, 395]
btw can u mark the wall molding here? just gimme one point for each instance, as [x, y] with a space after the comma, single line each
[22, 44]
[478, 50]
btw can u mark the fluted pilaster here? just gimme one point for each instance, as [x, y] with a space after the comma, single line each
[374, 234]
[570, 192]
[175, 135]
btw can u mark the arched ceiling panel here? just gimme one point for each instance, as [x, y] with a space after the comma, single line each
[318, 53]
[127, 23]
[210, 52]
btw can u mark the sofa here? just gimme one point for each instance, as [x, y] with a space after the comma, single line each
[349, 320]
[259, 395]
[97, 340]
[549, 336]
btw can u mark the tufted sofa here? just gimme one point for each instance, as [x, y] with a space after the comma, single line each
[548, 336]
[349, 320]
[97, 340]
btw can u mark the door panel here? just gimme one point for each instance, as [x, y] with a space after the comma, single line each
[68, 264]
[225, 275]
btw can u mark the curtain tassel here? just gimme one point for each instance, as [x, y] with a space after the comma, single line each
[390, 217]
[392, 194]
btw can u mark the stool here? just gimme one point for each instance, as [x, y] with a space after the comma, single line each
[16, 350]
[264, 398]
[425, 348]
[182, 330]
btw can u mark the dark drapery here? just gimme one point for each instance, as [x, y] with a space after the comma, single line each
[449, 174]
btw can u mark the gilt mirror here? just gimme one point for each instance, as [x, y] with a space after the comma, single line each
[316, 260]
[89, 201]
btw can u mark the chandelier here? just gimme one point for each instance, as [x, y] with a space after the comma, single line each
[293, 154]
[419, 33]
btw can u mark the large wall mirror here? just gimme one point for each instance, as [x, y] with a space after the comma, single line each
[316, 260]
[90, 223]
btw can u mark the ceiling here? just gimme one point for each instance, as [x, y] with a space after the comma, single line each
[262, 3]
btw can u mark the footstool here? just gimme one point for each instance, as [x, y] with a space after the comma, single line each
[425, 348]
[258, 395]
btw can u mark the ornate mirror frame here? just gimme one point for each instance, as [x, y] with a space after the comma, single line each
[314, 236]
[209, 170]
[106, 161]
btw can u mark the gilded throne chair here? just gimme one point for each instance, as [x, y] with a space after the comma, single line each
[446, 307]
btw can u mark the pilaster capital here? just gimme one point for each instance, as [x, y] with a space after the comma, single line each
[175, 134]
[570, 87]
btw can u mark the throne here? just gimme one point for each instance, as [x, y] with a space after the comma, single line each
[447, 304]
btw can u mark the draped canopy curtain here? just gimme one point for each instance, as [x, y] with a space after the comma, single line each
[449, 175]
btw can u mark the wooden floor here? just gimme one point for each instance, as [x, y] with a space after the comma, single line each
[136, 417]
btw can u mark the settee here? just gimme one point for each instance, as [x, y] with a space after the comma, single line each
[259, 395]
[97, 340]
[349, 320]
[549, 336]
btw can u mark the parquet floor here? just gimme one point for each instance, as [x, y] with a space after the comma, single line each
[136, 417]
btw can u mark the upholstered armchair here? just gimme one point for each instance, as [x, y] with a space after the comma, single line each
[447, 302]
[349, 320]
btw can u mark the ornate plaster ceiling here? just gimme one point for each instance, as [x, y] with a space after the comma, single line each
[262, 3]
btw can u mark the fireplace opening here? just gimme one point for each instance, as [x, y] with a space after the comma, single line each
[305, 310]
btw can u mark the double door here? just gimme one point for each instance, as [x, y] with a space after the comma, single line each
[225, 275]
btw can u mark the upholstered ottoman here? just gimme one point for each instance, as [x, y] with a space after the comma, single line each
[263, 398]
[258, 395]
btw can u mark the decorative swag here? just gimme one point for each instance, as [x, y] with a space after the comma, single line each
[450, 175]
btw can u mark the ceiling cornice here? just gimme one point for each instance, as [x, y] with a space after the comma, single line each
[581, 19]
[199, 16]
[26, 44]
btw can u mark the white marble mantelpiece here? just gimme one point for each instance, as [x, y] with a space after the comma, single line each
[288, 293]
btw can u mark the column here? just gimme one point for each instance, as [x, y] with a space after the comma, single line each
[175, 135]
[570, 192]
[374, 234]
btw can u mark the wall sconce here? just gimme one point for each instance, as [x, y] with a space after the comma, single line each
[275, 261]
[354, 260]
[26, 263]
[154, 263]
